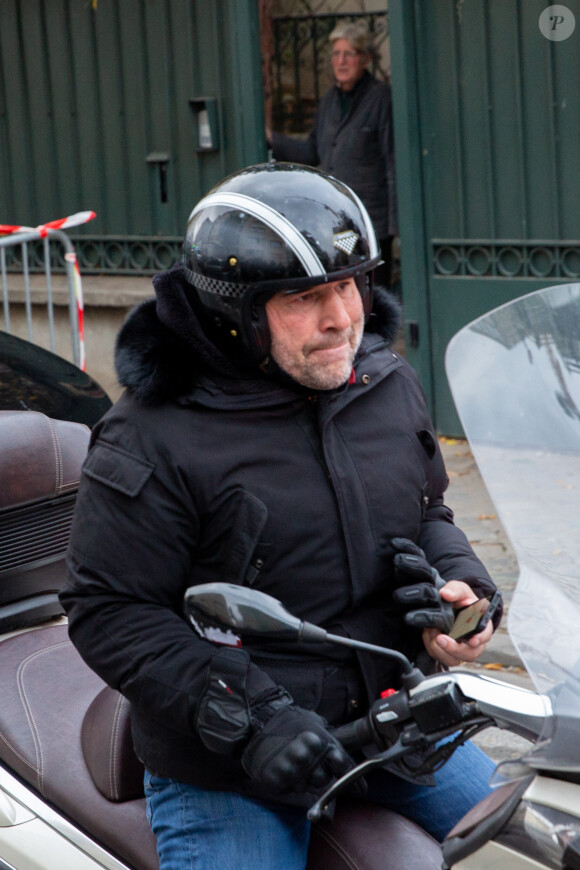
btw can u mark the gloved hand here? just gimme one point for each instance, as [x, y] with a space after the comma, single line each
[418, 588]
[285, 749]
[295, 753]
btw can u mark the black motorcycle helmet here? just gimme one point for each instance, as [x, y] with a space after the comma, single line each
[266, 228]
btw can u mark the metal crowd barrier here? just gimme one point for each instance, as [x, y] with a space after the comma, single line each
[17, 236]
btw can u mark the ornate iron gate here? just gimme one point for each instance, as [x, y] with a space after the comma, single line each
[487, 124]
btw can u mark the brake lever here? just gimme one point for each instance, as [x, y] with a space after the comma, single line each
[399, 749]
[396, 708]
[432, 761]
[319, 809]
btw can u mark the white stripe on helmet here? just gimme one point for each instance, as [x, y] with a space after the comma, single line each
[276, 221]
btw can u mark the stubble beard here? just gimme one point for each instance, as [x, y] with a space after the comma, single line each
[309, 371]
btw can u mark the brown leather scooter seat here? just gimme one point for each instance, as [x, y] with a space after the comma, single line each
[53, 704]
[46, 692]
[40, 458]
[368, 837]
[46, 687]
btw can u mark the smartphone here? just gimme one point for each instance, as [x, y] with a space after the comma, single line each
[472, 619]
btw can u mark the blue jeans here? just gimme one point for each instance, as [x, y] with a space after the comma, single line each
[198, 829]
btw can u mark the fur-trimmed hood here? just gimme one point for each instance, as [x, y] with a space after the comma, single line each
[161, 349]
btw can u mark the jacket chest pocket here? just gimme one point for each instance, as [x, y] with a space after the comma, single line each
[230, 549]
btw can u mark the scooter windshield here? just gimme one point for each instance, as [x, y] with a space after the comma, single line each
[515, 378]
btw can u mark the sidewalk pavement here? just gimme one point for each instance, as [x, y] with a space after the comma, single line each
[475, 515]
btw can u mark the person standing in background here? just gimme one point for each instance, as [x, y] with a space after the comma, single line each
[352, 136]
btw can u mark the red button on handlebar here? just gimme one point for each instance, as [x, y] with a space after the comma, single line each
[388, 692]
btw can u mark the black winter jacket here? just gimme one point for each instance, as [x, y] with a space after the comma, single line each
[200, 473]
[357, 148]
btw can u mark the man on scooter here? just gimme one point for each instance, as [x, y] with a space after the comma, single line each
[268, 436]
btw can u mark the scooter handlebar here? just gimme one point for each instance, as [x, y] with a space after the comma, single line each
[355, 734]
[447, 699]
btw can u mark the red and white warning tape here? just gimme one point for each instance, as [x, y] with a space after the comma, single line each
[73, 220]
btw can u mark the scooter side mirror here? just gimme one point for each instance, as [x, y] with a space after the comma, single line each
[215, 608]
[244, 611]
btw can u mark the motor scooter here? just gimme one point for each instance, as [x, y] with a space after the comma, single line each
[71, 786]
[71, 793]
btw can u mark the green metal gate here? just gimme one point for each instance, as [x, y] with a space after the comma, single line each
[487, 126]
[132, 108]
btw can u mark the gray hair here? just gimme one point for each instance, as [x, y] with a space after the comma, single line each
[356, 32]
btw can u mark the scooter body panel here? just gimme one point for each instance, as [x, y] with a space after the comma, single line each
[555, 793]
[495, 856]
[34, 845]
[12, 812]
[33, 836]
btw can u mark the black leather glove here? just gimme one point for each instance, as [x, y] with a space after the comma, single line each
[418, 588]
[294, 753]
[285, 749]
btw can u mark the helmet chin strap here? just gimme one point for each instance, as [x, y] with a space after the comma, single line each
[272, 369]
[365, 284]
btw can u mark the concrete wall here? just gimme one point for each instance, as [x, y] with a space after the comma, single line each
[107, 301]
